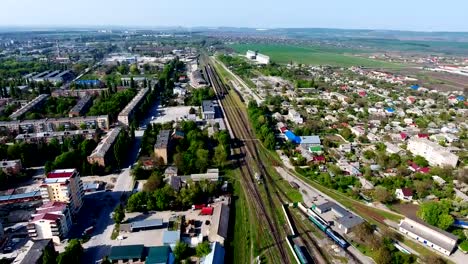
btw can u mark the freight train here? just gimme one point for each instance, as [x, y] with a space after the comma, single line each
[324, 226]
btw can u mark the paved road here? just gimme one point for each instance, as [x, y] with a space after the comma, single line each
[99, 244]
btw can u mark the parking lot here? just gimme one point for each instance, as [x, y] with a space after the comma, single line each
[168, 114]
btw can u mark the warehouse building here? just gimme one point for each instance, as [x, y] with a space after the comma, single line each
[161, 148]
[345, 220]
[434, 153]
[430, 236]
[103, 154]
[126, 116]
[51, 76]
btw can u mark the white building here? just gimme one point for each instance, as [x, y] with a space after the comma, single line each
[429, 236]
[404, 194]
[295, 117]
[358, 131]
[50, 221]
[251, 54]
[262, 59]
[434, 153]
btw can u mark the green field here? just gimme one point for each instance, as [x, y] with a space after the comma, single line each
[313, 55]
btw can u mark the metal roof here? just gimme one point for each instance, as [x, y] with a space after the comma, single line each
[435, 235]
[147, 223]
[171, 237]
[126, 252]
[158, 255]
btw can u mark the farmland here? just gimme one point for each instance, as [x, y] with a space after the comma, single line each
[312, 55]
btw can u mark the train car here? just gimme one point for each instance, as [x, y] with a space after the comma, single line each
[323, 226]
[337, 238]
[300, 254]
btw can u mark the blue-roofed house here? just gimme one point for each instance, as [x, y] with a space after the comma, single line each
[292, 137]
[461, 98]
[414, 87]
[216, 255]
[389, 110]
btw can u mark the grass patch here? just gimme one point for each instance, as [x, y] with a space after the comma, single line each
[241, 228]
[115, 231]
[309, 54]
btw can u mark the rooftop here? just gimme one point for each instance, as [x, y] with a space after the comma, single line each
[208, 106]
[157, 255]
[147, 223]
[65, 173]
[106, 143]
[126, 252]
[163, 139]
[437, 236]
[32, 252]
[81, 103]
[135, 101]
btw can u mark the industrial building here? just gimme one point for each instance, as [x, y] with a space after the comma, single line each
[63, 186]
[208, 109]
[126, 116]
[81, 107]
[161, 148]
[36, 102]
[103, 154]
[50, 221]
[345, 220]
[53, 124]
[51, 76]
[220, 222]
[141, 254]
[258, 57]
[430, 236]
[434, 153]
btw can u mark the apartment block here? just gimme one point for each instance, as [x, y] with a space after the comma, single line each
[50, 221]
[103, 154]
[434, 153]
[126, 116]
[161, 148]
[63, 186]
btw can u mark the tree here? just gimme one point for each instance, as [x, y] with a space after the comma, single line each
[422, 187]
[49, 256]
[202, 159]
[220, 156]
[436, 214]
[363, 232]
[203, 249]
[421, 161]
[154, 182]
[382, 195]
[137, 202]
[180, 251]
[383, 256]
[72, 253]
[119, 214]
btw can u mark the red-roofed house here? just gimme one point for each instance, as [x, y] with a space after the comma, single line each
[415, 168]
[50, 221]
[63, 186]
[404, 194]
[423, 135]
[362, 93]
[319, 159]
[403, 136]
[410, 99]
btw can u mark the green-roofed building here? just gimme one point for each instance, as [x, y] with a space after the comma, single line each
[160, 255]
[129, 253]
[316, 149]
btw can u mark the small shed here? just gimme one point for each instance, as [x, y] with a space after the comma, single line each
[207, 211]
[146, 225]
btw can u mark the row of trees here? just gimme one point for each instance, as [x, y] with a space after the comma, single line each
[112, 103]
[263, 124]
[198, 95]
[164, 197]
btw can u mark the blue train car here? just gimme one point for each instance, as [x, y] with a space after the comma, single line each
[300, 255]
[337, 238]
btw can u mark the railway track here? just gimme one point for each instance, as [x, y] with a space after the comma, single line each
[241, 129]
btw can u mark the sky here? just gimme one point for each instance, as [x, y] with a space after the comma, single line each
[416, 15]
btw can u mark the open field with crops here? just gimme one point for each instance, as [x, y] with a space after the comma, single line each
[313, 55]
